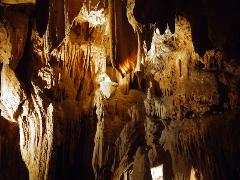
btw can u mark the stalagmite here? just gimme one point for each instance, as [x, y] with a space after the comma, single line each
[141, 170]
[119, 90]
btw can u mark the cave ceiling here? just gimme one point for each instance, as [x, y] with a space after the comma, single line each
[119, 89]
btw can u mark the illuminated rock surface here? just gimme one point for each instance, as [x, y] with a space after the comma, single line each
[119, 90]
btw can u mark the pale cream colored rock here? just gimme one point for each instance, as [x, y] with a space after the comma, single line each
[36, 135]
[5, 45]
[12, 93]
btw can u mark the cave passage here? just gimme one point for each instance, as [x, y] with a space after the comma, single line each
[119, 90]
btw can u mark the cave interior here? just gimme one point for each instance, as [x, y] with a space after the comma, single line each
[119, 89]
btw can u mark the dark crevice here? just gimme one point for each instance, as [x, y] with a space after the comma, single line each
[11, 164]
[42, 14]
[24, 68]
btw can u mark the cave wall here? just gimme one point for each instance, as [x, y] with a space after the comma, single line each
[12, 166]
[110, 89]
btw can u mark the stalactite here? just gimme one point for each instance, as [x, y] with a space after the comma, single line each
[96, 100]
[141, 169]
[138, 30]
[188, 140]
[97, 159]
[112, 34]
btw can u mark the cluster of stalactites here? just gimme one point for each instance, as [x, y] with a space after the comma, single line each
[154, 106]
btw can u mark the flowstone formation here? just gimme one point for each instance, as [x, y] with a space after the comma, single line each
[116, 90]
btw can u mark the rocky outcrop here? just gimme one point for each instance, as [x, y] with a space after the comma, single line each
[208, 135]
[13, 35]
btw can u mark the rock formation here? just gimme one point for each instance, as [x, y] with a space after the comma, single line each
[119, 89]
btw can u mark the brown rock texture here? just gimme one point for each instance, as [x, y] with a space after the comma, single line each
[13, 2]
[110, 89]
